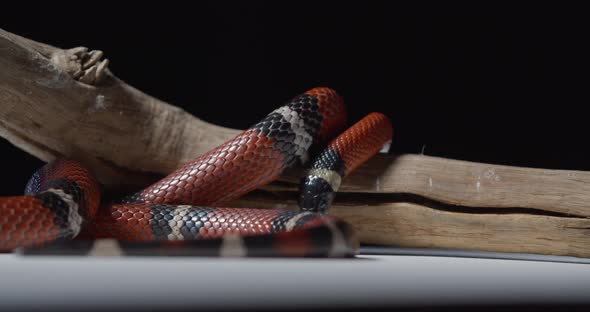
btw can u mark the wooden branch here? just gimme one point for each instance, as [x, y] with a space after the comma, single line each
[467, 183]
[124, 135]
[56, 103]
[405, 224]
[411, 225]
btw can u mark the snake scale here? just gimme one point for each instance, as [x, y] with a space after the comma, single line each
[182, 215]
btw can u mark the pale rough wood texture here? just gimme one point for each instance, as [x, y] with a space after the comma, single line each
[54, 105]
[468, 183]
[123, 134]
[406, 224]
[411, 225]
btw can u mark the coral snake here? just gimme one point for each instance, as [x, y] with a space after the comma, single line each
[178, 215]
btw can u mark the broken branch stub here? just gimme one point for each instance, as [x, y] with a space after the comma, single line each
[50, 108]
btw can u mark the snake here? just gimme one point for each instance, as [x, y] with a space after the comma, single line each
[186, 213]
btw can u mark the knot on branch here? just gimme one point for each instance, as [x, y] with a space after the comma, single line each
[83, 65]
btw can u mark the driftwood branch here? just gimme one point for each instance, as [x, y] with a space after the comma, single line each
[465, 183]
[56, 103]
[409, 222]
[124, 135]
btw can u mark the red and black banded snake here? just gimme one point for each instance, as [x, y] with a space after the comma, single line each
[180, 214]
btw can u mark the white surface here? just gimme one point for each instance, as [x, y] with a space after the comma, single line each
[75, 282]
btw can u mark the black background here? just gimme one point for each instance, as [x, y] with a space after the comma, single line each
[496, 83]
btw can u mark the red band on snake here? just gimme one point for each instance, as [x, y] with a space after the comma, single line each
[66, 196]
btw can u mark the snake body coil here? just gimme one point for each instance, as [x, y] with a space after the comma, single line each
[176, 214]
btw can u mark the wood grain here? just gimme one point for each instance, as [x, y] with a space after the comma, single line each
[467, 183]
[126, 137]
[405, 224]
